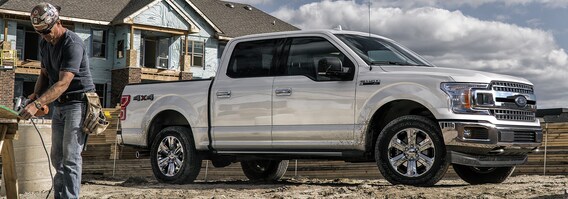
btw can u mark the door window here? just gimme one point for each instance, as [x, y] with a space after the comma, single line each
[252, 59]
[307, 53]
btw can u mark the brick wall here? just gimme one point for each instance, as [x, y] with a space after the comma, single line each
[7, 88]
[121, 78]
[185, 75]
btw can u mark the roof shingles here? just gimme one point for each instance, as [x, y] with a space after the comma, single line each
[99, 10]
[239, 21]
[233, 22]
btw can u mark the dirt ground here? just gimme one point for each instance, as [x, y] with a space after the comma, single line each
[515, 187]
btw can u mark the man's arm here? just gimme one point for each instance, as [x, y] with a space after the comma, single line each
[57, 89]
[50, 95]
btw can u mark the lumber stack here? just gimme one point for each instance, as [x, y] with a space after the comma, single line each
[100, 146]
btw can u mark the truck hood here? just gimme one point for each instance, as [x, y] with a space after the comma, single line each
[458, 75]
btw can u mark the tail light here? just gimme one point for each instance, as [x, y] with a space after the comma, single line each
[124, 101]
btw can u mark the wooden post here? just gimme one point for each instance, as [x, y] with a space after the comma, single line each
[9, 169]
[8, 161]
[186, 59]
[5, 30]
[131, 37]
[186, 44]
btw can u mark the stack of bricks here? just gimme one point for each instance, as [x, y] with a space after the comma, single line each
[121, 78]
[7, 88]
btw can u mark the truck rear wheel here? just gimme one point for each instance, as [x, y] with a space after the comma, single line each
[483, 175]
[173, 156]
[264, 170]
[410, 150]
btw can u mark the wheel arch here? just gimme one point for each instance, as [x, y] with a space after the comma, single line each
[165, 119]
[387, 113]
[171, 111]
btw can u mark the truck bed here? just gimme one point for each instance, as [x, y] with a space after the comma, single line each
[146, 100]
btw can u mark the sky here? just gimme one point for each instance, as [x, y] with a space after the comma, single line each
[524, 38]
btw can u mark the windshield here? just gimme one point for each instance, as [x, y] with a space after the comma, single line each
[379, 51]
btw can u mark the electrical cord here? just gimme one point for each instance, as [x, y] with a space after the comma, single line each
[48, 158]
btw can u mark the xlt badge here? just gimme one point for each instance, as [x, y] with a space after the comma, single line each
[369, 82]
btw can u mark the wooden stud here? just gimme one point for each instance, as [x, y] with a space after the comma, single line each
[5, 30]
[131, 37]
[159, 29]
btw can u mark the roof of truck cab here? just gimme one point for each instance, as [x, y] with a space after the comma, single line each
[315, 31]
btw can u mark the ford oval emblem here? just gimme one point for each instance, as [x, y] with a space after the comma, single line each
[521, 101]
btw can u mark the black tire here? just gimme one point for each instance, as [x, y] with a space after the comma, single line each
[483, 175]
[427, 153]
[264, 170]
[181, 161]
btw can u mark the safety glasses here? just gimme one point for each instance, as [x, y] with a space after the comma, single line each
[44, 31]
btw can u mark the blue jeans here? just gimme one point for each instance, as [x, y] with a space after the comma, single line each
[67, 141]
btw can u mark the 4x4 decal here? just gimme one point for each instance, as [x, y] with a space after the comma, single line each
[144, 97]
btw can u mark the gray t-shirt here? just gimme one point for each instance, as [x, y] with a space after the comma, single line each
[69, 54]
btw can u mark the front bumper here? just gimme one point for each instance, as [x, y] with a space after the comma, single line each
[484, 138]
[487, 160]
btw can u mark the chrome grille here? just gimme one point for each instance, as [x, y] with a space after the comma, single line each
[512, 87]
[525, 136]
[514, 115]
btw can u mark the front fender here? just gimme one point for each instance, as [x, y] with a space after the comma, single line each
[429, 96]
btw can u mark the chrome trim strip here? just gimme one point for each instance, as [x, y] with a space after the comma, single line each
[334, 154]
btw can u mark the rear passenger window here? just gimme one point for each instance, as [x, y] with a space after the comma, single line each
[305, 54]
[252, 59]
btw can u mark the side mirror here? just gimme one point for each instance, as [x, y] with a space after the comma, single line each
[332, 66]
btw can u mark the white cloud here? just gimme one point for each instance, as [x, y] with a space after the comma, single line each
[452, 39]
[534, 23]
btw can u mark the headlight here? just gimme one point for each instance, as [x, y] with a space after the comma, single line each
[461, 97]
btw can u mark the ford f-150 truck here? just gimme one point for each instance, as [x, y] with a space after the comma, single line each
[336, 95]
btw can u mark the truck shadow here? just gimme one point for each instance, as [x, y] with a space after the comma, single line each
[246, 184]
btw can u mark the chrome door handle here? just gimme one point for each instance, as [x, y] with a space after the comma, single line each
[223, 94]
[283, 91]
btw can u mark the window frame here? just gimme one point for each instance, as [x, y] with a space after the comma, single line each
[277, 49]
[191, 51]
[104, 43]
[102, 93]
[284, 56]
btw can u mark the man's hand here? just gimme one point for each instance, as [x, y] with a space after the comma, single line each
[29, 111]
[32, 96]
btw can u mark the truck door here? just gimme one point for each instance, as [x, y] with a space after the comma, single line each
[241, 98]
[313, 106]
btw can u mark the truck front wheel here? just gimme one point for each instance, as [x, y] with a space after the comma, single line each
[173, 156]
[264, 170]
[483, 175]
[410, 150]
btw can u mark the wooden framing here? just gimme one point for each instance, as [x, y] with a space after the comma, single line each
[159, 74]
[153, 73]
[28, 67]
[160, 29]
[5, 30]
[131, 37]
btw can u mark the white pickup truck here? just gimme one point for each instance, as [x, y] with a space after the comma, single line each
[336, 95]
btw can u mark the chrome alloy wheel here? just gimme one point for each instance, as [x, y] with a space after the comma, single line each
[170, 156]
[411, 152]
